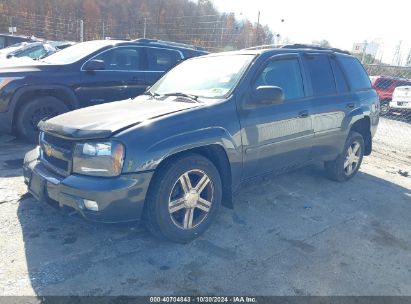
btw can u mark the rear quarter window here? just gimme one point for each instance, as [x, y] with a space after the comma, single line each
[340, 81]
[356, 75]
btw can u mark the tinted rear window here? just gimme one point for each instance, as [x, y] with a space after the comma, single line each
[322, 78]
[356, 75]
[383, 83]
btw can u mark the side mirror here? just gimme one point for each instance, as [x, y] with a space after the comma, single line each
[268, 95]
[95, 65]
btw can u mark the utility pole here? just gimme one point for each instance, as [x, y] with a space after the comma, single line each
[257, 40]
[364, 49]
[396, 60]
[222, 34]
[11, 28]
[104, 31]
[81, 30]
[145, 27]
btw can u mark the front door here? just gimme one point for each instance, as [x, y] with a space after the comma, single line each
[277, 137]
[123, 77]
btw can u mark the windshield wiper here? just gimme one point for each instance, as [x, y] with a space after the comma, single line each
[152, 94]
[180, 94]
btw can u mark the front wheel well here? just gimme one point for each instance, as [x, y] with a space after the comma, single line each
[362, 126]
[25, 97]
[217, 155]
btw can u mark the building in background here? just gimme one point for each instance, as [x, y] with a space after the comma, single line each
[369, 48]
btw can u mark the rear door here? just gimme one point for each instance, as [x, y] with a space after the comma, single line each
[159, 61]
[331, 101]
[277, 137]
[124, 76]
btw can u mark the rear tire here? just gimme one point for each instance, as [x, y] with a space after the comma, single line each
[385, 108]
[180, 211]
[347, 164]
[31, 113]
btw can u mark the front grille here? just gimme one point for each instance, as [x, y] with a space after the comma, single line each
[59, 163]
[58, 141]
[56, 153]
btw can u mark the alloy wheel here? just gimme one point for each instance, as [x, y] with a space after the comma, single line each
[191, 199]
[352, 158]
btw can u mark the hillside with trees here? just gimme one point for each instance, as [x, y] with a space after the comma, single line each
[195, 22]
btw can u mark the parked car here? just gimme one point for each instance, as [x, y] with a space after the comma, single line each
[33, 50]
[401, 100]
[85, 74]
[7, 40]
[385, 86]
[172, 156]
[25, 52]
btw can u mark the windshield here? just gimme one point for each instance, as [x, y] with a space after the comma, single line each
[75, 53]
[209, 76]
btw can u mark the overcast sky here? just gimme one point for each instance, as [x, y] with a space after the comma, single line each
[340, 22]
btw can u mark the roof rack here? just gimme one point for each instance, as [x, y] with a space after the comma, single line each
[178, 44]
[297, 46]
[313, 47]
[264, 46]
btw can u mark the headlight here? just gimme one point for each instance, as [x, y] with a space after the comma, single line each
[5, 81]
[99, 158]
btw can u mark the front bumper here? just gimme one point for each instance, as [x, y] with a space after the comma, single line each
[119, 199]
[404, 106]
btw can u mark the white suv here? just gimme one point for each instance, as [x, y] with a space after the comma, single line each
[401, 99]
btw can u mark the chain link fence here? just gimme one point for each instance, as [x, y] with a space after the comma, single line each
[212, 32]
[393, 85]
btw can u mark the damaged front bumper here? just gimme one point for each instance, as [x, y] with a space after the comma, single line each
[118, 199]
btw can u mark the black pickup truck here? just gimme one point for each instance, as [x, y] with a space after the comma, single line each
[172, 156]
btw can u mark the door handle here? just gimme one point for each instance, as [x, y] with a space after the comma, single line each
[350, 105]
[303, 114]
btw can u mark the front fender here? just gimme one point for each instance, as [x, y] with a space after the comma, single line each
[16, 99]
[165, 148]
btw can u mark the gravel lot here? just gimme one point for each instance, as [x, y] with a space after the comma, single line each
[294, 234]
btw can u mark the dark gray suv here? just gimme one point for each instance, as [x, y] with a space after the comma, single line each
[172, 156]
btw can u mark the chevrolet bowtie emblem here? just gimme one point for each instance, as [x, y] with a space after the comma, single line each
[49, 150]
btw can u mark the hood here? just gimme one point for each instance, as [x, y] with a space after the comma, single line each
[13, 61]
[104, 120]
[26, 66]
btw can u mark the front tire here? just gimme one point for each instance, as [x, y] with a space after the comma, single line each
[34, 111]
[347, 164]
[183, 199]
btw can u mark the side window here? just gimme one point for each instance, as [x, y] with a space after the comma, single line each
[161, 59]
[340, 81]
[321, 75]
[285, 74]
[122, 59]
[2, 42]
[355, 72]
